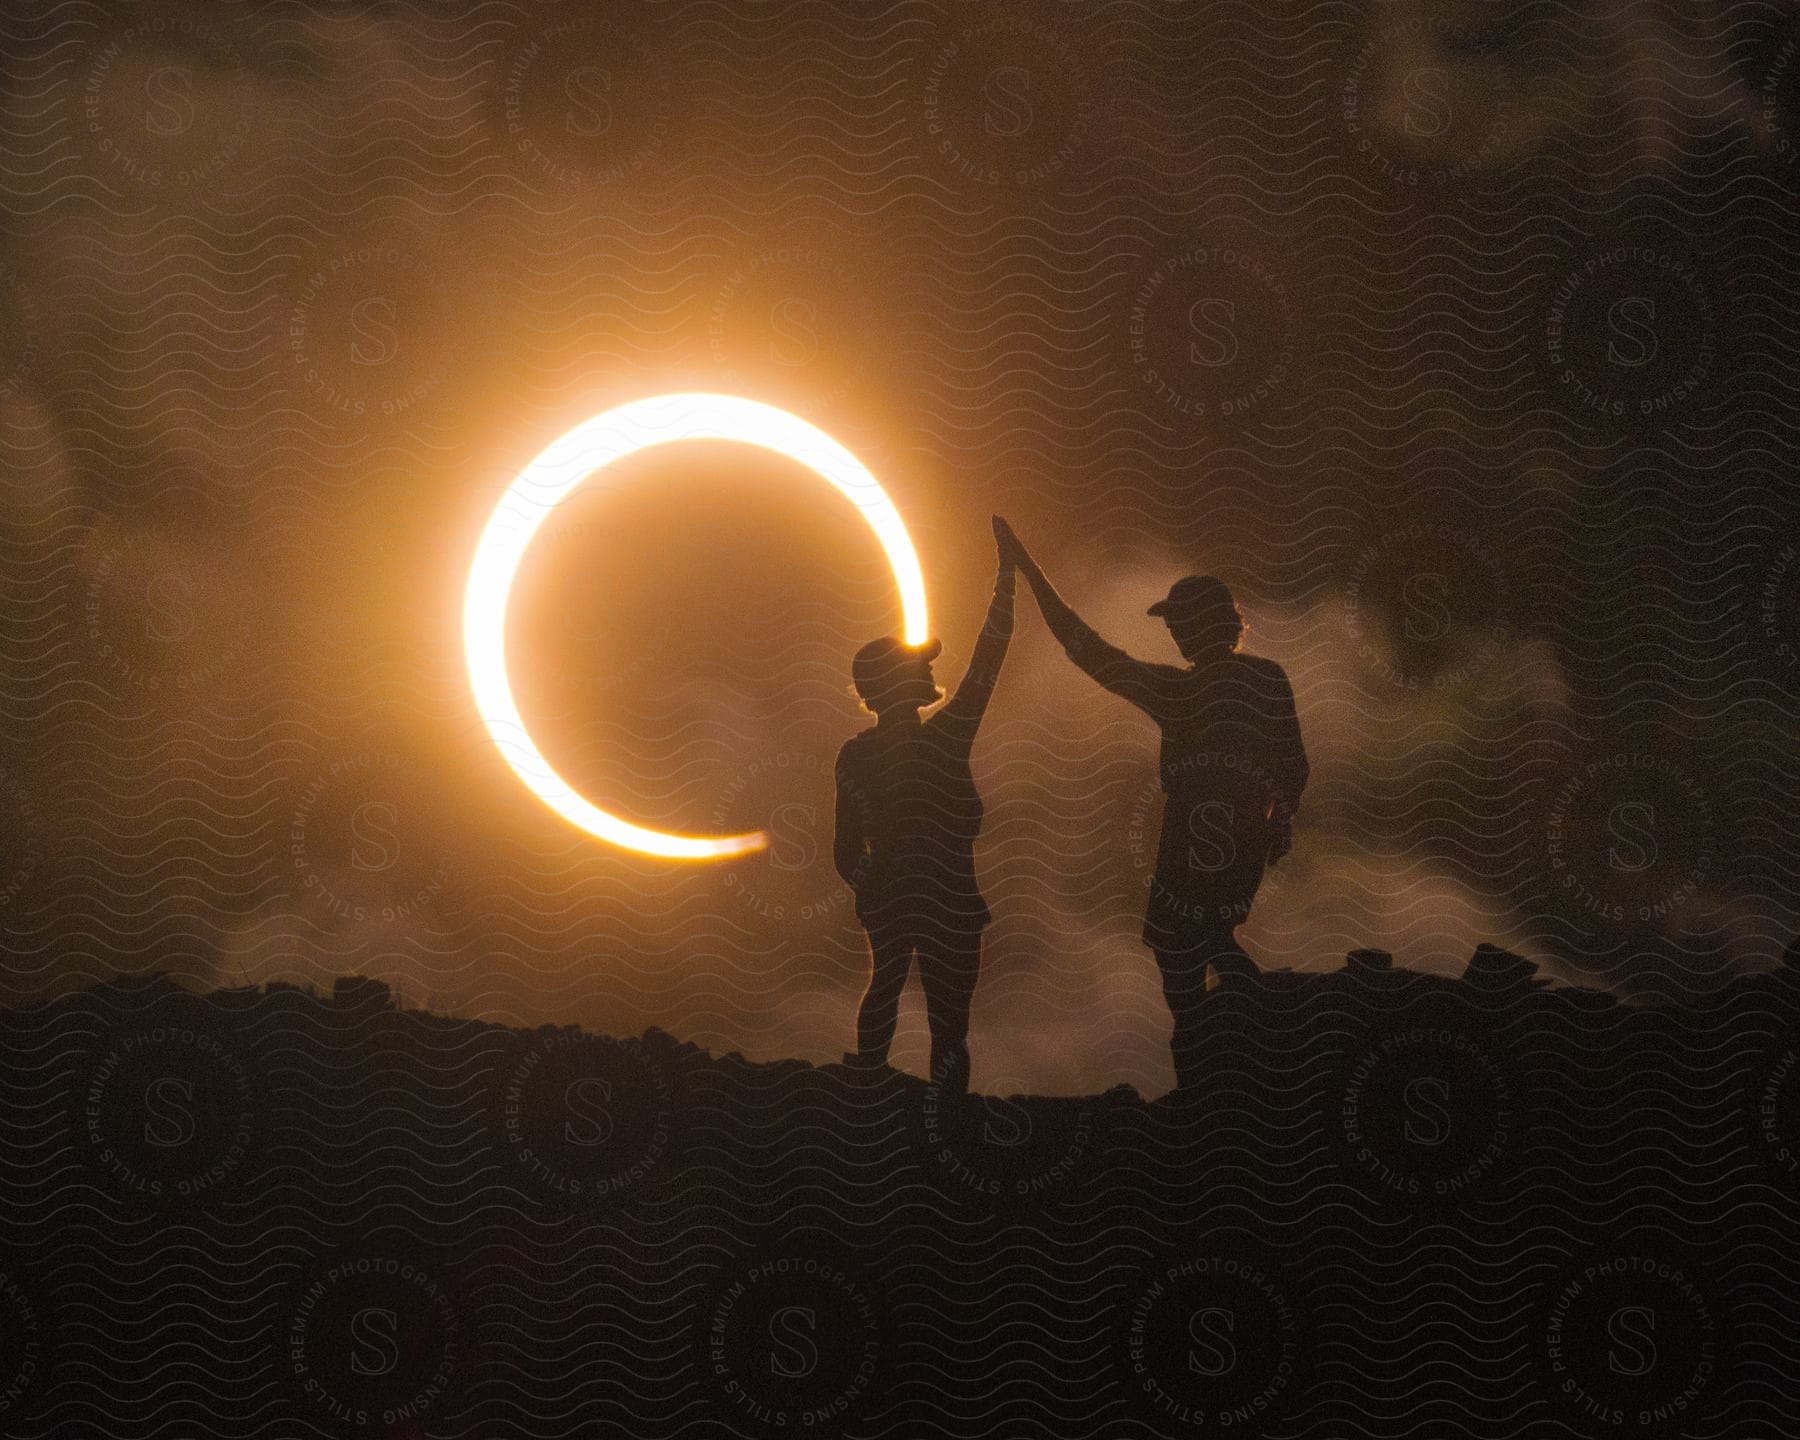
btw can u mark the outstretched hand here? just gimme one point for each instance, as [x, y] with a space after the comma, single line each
[1012, 552]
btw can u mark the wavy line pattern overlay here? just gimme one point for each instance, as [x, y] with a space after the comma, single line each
[1459, 339]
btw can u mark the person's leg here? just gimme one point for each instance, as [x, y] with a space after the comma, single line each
[1191, 927]
[949, 962]
[1244, 882]
[890, 955]
[1229, 959]
[1183, 970]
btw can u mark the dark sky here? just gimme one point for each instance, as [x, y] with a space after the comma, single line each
[1460, 339]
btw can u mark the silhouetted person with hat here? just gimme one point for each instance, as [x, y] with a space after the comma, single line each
[1232, 768]
[907, 817]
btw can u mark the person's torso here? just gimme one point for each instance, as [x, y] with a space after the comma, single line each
[915, 795]
[1221, 743]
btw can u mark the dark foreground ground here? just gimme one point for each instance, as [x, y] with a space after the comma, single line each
[1399, 1206]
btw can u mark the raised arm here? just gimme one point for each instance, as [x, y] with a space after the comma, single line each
[964, 709]
[1143, 683]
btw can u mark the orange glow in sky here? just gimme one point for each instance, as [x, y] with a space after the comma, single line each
[543, 484]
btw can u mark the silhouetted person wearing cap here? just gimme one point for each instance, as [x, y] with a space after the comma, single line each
[1232, 768]
[907, 817]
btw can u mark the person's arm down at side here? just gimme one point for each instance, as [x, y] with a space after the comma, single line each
[1289, 768]
[849, 840]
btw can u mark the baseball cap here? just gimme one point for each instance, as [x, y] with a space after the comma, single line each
[874, 666]
[1193, 596]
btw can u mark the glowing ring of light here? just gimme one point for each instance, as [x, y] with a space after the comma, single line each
[548, 480]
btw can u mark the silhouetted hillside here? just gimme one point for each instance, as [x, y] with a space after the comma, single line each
[1398, 1205]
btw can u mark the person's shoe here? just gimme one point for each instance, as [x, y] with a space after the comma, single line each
[1233, 968]
[950, 1078]
[865, 1067]
[1187, 1090]
[950, 1097]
